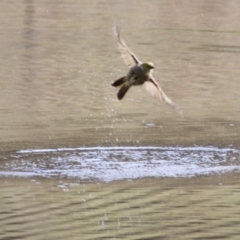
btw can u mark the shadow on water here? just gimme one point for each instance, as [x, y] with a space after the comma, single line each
[119, 163]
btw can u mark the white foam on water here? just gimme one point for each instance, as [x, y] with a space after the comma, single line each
[117, 163]
[195, 148]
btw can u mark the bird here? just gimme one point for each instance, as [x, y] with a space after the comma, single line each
[139, 74]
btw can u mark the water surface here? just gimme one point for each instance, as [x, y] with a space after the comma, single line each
[59, 59]
[98, 168]
[120, 163]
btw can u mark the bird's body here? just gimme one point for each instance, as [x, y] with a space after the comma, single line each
[138, 74]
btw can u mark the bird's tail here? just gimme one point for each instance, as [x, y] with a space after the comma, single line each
[119, 82]
[122, 91]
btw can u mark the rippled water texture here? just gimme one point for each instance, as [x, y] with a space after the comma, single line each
[99, 168]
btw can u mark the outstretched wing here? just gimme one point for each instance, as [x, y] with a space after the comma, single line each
[128, 56]
[155, 90]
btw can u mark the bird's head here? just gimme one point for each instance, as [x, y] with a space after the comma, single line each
[147, 66]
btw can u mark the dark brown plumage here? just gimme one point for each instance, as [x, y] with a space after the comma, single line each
[139, 74]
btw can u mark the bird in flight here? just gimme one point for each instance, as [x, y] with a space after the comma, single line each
[138, 74]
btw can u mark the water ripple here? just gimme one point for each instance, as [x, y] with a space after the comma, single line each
[117, 163]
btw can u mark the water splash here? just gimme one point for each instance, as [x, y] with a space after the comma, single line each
[117, 163]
